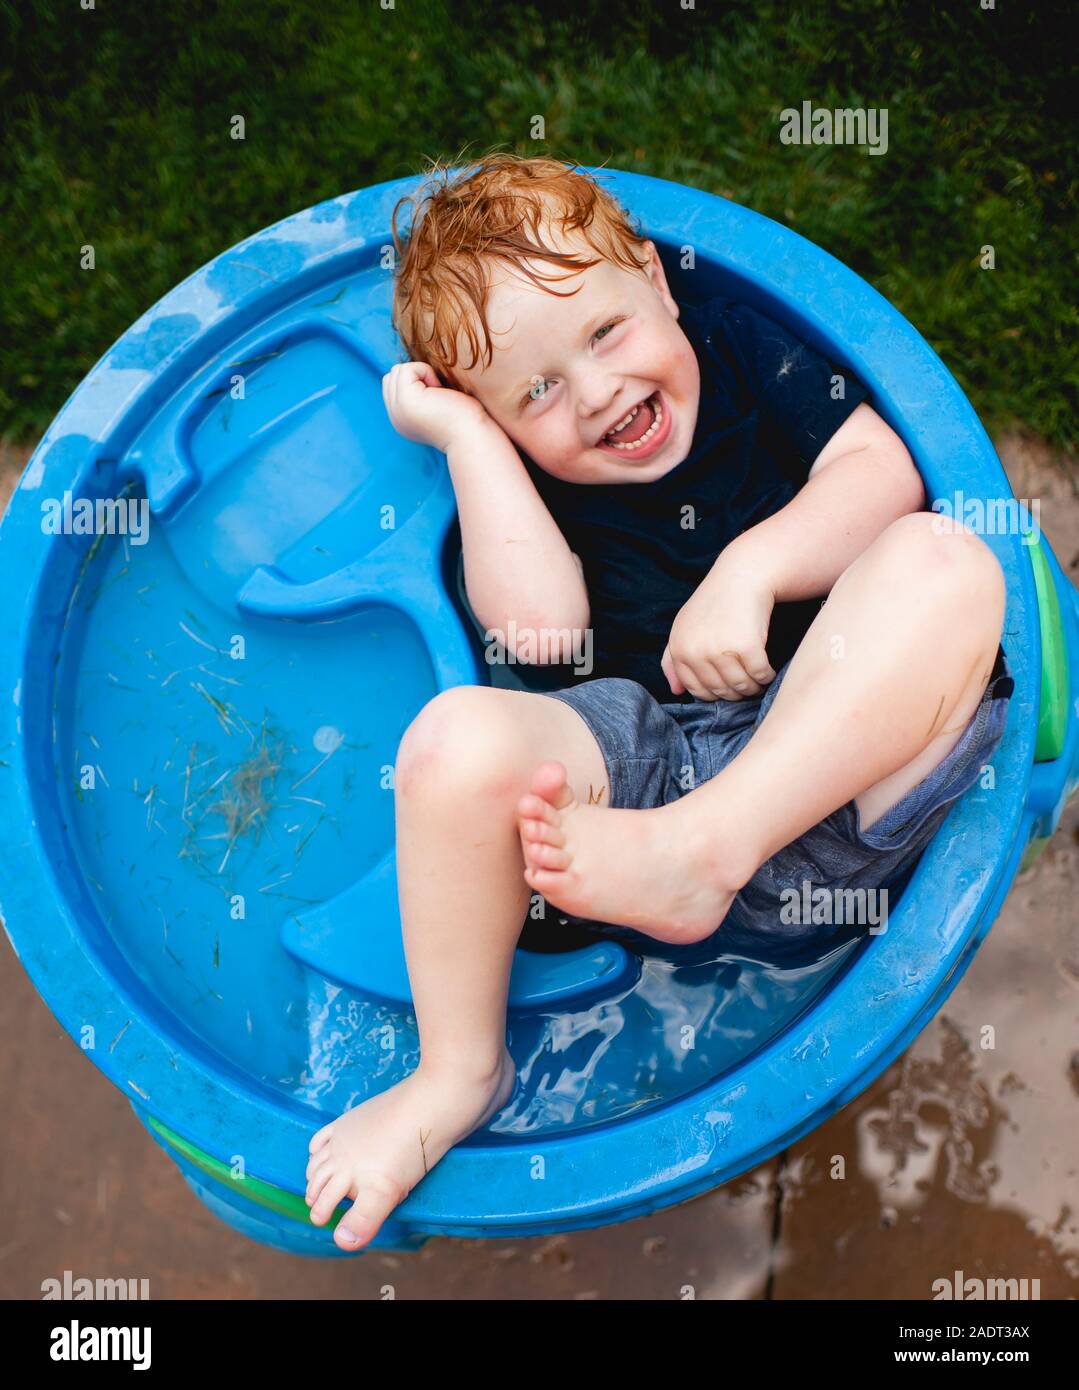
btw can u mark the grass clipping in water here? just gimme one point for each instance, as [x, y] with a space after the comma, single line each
[244, 802]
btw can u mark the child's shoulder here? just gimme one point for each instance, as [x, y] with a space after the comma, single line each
[730, 319]
[749, 348]
[731, 339]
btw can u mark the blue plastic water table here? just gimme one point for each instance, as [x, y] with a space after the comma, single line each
[200, 721]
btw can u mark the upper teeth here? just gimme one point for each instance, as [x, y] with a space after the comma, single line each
[649, 432]
[623, 423]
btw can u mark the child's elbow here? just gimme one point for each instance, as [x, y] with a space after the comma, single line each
[543, 641]
[906, 480]
[913, 480]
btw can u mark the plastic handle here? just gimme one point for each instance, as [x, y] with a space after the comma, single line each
[1055, 684]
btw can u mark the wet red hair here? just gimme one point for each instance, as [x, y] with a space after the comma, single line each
[494, 209]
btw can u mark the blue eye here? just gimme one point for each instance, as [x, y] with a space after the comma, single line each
[541, 386]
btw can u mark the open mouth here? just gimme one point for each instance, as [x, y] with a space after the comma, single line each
[641, 431]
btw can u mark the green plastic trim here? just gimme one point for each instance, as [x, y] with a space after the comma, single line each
[1055, 695]
[1032, 852]
[265, 1194]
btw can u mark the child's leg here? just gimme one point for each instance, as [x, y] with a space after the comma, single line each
[919, 614]
[462, 766]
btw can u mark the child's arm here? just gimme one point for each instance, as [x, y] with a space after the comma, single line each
[861, 481]
[517, 563]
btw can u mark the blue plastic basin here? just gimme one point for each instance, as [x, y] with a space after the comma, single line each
[198, 737]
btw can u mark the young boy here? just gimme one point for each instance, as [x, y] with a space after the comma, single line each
[688, 484]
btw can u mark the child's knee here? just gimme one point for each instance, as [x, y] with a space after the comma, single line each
[973, 579]
[945, 555]
[463, 742]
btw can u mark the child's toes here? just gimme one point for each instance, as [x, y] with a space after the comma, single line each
[356, 1228]
[550, 784]
[533, 807]
[546, 882]
[319, 1138]
[316, 1164]
[539, 832]
[335, 1188]
[549, 780]
[546, 856]
[316, 1183]
[377, 1197]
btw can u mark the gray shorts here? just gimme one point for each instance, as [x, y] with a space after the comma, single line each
[656, 752]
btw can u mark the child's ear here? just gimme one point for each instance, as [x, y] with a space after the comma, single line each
[658, 279]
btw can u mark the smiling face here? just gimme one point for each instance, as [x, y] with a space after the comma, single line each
[568, 369]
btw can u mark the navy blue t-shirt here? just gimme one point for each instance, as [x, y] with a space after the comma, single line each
[766, 411]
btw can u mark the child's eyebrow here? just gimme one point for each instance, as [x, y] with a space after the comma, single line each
[596, 322]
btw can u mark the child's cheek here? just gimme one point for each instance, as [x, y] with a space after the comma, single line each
[685, 377]
[569, 450]
[560, 442]
[674, 364]
[553, 446]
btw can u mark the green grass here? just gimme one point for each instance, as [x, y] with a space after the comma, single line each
[117, 135]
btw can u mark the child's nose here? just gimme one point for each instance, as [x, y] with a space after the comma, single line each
[597, 396]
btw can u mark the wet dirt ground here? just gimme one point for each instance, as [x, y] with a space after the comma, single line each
[956, 1158]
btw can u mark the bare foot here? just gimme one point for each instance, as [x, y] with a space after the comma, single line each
[657, 871]
[378, 1152]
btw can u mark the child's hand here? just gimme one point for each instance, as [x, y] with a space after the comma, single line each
[426, 412]
[716, 647]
